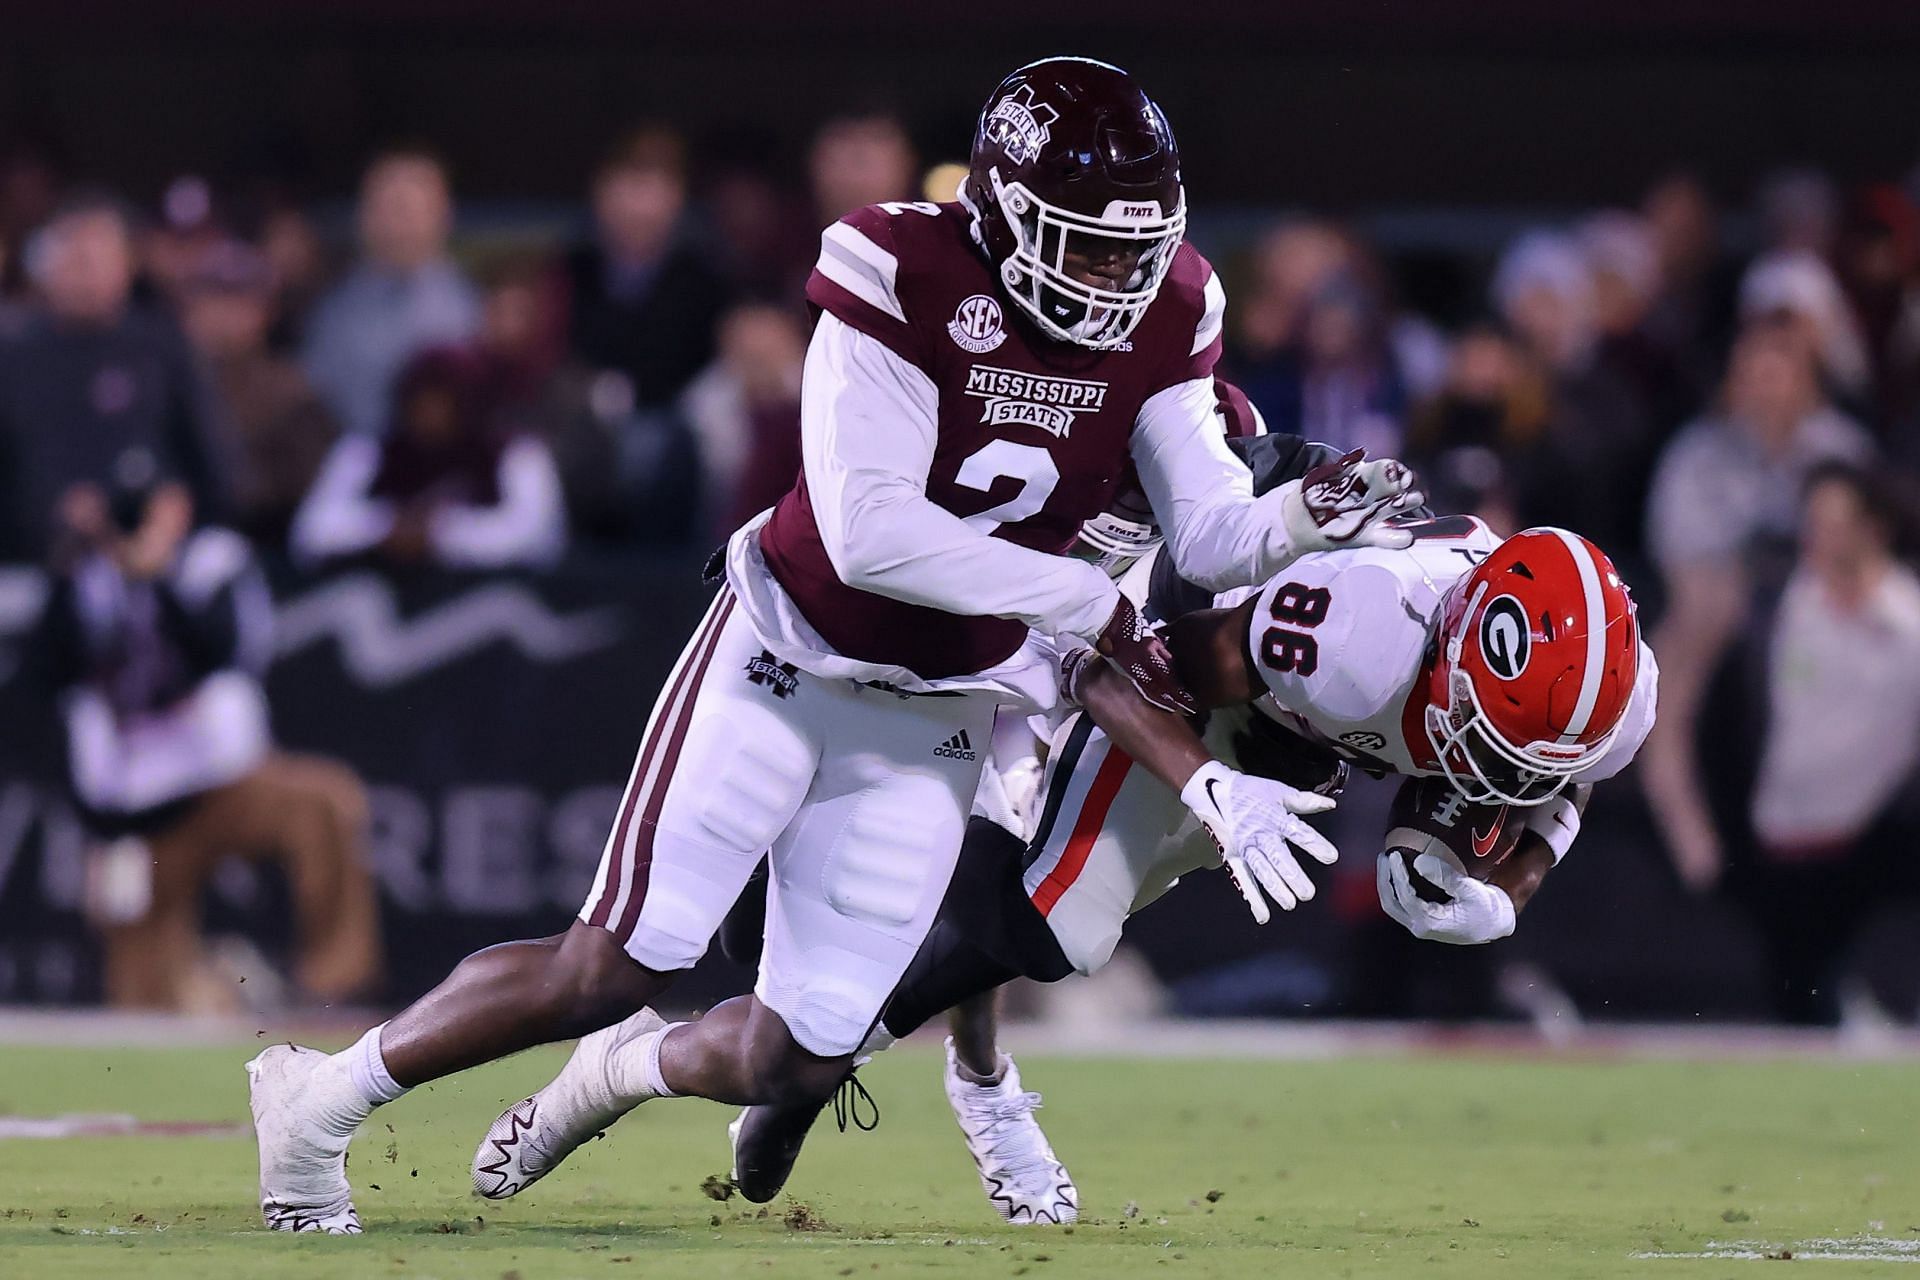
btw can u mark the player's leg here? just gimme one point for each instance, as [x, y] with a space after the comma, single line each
[976, 944]
[855, 878]
[307, 1105]
[973, 1029]
[1097, 854]
[855, 884]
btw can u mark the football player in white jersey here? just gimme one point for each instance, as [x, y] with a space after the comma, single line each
[1513, 669]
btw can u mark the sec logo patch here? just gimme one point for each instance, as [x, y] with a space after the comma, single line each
[977, 325]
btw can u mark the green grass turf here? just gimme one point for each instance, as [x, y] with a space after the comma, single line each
[1457, 1167]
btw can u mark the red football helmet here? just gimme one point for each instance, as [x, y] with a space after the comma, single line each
[1539, 647]
[1071, 155]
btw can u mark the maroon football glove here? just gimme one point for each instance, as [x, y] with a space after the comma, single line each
[1128, 643]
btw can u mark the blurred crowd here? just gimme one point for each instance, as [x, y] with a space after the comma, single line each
[1723, 395]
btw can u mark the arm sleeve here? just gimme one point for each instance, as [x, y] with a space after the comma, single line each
[1219, 534]
[1635, 724]
[868, 427]
[338, 518]
[528, 526]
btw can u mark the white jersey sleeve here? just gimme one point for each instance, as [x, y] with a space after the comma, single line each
[1635, 723]
[868, 430]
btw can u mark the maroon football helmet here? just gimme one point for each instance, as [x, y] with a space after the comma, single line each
[1070, 155]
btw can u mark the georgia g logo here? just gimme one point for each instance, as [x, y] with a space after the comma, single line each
[1504, 640]
[977, 324]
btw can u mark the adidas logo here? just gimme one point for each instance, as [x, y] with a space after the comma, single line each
[958, 747]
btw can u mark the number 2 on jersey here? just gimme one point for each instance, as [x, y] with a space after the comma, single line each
[1290, 648]
[998, 460]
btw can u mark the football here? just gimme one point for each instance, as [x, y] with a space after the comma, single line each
[1429, 816]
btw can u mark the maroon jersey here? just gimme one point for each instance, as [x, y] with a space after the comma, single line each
[1032, 434]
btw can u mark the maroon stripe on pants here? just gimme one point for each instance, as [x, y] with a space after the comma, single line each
[603, 906]
[650, 816]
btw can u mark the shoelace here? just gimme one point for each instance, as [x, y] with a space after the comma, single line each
[1009, 1145]
[847, 1101]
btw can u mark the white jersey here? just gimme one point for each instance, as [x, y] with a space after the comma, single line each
[1342, 640]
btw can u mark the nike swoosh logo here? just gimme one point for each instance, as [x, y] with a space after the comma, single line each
[1483, 845]
[1210, 799]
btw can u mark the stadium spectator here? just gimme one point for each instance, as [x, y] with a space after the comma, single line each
[170, 246]
[1799, 212]
[282, 428]
[1879, 266]
[1692, 314]
[745, 412]
[1798, 286]
[92, 384]
[1835, 823]
[298, 261]
[860, 160]
[765, 230]
[1471, 442]
[1623, 261]
[156, 637]
[1723, 509]
[1290, 264]
[642, 298]
[451, 484]
[1337, 381]
[404, 296]
[1586, 471]
[29, 194]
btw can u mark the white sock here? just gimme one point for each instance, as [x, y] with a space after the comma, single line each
[634, 1068]
[367, 1073]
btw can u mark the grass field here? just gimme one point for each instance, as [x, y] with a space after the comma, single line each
[1453, 1167]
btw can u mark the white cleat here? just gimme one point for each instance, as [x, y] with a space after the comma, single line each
[534, 1135]
[1018, 1170]
[303, 1164]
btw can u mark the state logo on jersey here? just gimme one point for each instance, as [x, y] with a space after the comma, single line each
[978, 325]
[1044, 400]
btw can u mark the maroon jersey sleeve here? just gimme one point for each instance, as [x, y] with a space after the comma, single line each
[1189, 318]
[857, 277]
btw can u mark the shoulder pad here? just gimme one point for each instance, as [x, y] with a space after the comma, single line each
[857, 276]
[1368, 641]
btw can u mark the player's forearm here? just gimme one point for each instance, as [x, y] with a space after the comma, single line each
[1163, 743]
[1210, 656]
[1523, 870]
[904, 547]
[1219, 535]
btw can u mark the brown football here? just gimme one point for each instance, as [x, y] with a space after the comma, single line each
[1429, 816]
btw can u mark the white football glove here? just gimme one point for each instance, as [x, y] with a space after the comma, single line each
[1477, 912]
[1344, 503]
[1254, 821]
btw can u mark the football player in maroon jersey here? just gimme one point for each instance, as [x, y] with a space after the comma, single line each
[980, 376]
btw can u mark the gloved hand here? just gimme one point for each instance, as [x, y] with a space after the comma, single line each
[1257, 824]
[1128, 643]
[1345, 503]
[1475, 912]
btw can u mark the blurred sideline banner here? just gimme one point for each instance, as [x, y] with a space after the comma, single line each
[494, 720]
